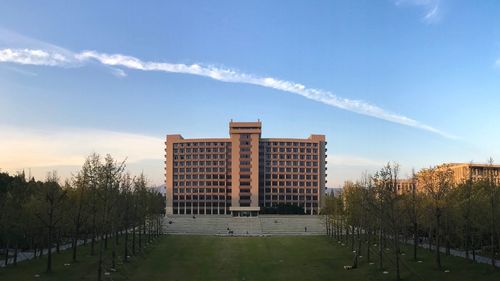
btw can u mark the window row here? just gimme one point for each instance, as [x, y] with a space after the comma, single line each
[202, 183]
[290, 176]
[200, 156]
[201, 176]
[289, 197]
[291, 183]
[307, 206]
[201, 190]
[200, 204]
[292, 163]
[196, 144]
[200, 163]
[201, 170]
[288, 190]
[289, 170]
[275, 143]
[289, 156]
[201, 197]
[208, 211]
[288, 150]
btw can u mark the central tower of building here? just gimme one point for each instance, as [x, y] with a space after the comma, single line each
[245, 138]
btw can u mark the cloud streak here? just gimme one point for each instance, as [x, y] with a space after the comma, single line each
[33, 57]
[119, 61]
[432, 8]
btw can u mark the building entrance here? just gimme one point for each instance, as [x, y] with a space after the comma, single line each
[245, 213]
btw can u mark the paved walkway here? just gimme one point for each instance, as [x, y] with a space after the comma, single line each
[29, 255]
[458, 253]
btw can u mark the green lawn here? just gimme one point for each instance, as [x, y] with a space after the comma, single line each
[253, 258]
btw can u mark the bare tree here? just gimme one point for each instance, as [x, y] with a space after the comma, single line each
[47, 208]
[387, 186]
[437, 182]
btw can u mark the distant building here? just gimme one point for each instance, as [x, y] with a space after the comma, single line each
[402, 185]
[475, 172]
[160, 189]
[244, 173]
[405, 185]
[462, 172]
[335, 191]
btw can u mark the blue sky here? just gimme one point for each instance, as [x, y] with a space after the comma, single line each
[412, 81]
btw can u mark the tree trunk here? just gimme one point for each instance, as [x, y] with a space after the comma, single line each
[415, 240]
[396, 252]
[113, 254]
[341, 230]
[380, 250]
[337, 230]
[492, 249]
[448, 246]
[144, 229]
[73, 248]
[6, 262]
[99, 264]
[16, 249]
[125, 249]
[368, 244]
[94, 233]
[466, 241]
[75, 241]
[430, 239]
[140, 238]
[438, 252]
[58, 242]
[352, 238]
[49, 252]
[133, 240]
[493, 223]
[358, 251]
[92, 245]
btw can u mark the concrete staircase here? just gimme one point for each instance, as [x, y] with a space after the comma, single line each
[244, 226]
[293, 225]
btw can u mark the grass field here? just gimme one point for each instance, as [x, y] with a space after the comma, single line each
[248, 258]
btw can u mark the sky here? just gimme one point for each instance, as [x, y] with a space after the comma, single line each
[415, 82]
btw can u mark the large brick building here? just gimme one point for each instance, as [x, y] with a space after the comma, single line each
[244, 173]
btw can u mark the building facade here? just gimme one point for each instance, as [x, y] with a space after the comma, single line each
[243, 174]
[472, 171]
[461, 173]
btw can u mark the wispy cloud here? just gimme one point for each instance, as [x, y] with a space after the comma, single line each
[33, 57]
[432, 8]
[497, 63]
[118, 61]
[21, 71]
[118, 72]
